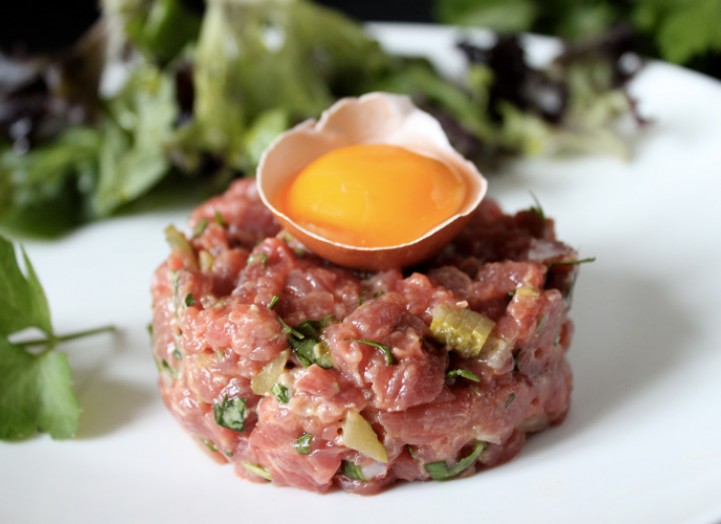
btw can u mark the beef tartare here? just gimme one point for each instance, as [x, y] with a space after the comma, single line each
[306, 374]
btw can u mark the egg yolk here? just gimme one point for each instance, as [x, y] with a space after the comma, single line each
[373, 195]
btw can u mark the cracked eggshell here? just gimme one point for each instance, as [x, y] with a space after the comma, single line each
[375, 118]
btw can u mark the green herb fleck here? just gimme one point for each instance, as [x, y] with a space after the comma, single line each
[258, 258]
[510, 399]
[257, 470]
[572, 262]
[165, 367]
[200, 227]
[307, 344]
[220, 220]
[463, 373]
[189, 300]
[387, 351]
[281, 393]
[230, 413]
[273, 301]
[353, 471]
[537, 209]
[441, 471]
[291, 332]
[208, 444]
[177, 354]
[302, 444]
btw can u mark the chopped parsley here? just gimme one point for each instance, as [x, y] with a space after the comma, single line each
[258, 258]
[230, 413]
[291, 332]
[441, 471]
[208, 444]
[353, 471]
[510, 399]
[537, 209]
[281, 393]
[257, 470]
[587, 260]
[189, 300]
[463, 373]
[220, 220]
[200, 227]
[302, 444]
[307, 344]
[387, 351]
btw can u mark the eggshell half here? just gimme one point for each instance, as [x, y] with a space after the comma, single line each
[375, 118]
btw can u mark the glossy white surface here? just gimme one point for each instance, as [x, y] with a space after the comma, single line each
[641, 443]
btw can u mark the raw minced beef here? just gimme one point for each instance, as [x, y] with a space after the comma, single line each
[231, 310]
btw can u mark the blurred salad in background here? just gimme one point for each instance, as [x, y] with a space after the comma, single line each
[161, 96]
[681, 31]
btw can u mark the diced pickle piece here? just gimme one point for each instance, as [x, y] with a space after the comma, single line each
[461, 330]
[358, 434]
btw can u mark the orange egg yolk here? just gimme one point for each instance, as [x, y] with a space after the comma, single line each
[373, 195]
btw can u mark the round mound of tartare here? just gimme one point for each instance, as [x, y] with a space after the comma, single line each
[306, 374]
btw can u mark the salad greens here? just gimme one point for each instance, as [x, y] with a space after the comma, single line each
[191, 96]
[676, 30]
[36, 390]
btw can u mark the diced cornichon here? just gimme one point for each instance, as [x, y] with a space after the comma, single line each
[461, 330]
[358, 434]
[263, 382]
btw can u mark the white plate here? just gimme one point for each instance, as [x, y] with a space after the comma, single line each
[642, 442]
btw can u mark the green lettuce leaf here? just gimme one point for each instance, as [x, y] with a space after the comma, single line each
[133, 156]
[36, 393]
[41, 191]
[22, 300]
[36, 387]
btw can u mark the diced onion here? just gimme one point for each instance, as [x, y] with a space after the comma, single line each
[358, 434]
[262, 383]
